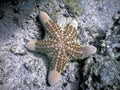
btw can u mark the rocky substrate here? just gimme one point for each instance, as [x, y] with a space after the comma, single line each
[98, 24]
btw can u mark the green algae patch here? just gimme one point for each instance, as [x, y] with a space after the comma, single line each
[74, 7]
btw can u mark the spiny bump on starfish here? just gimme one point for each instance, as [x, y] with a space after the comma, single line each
[60, 46]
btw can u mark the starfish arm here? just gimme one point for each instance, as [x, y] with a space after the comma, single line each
[49, 24]
[31, 45]
[56, 67]
[74, 51]
[43, 46]
[71, 30]
[58, 62]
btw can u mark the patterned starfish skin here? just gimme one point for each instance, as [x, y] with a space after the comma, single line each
[60, 45]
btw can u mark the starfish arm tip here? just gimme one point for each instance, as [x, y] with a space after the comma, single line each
[31, 45]
[53, 77]
[89, 50]
[44, 17]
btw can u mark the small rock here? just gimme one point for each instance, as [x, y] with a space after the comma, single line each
[36, 82]
[71, 78]
[115, 17]
[18, 50]
[30, 66]
[16, 10]
[118, 58]
[33, 15]
[65, 84]
[61, 5]
[27, 81]
[118, 11]
[66, 14]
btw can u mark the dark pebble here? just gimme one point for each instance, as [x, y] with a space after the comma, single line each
[118, 11]
[64, 84]
[115, 17]
[14, 2]
[118, 58]
[16, 10]
[66, 14]
[61, 5]
[1, 14]
[117, 49]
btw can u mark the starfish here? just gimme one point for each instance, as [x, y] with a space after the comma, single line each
[60, 45]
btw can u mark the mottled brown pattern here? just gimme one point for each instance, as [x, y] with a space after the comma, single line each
[60, 45]
[52, 28]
